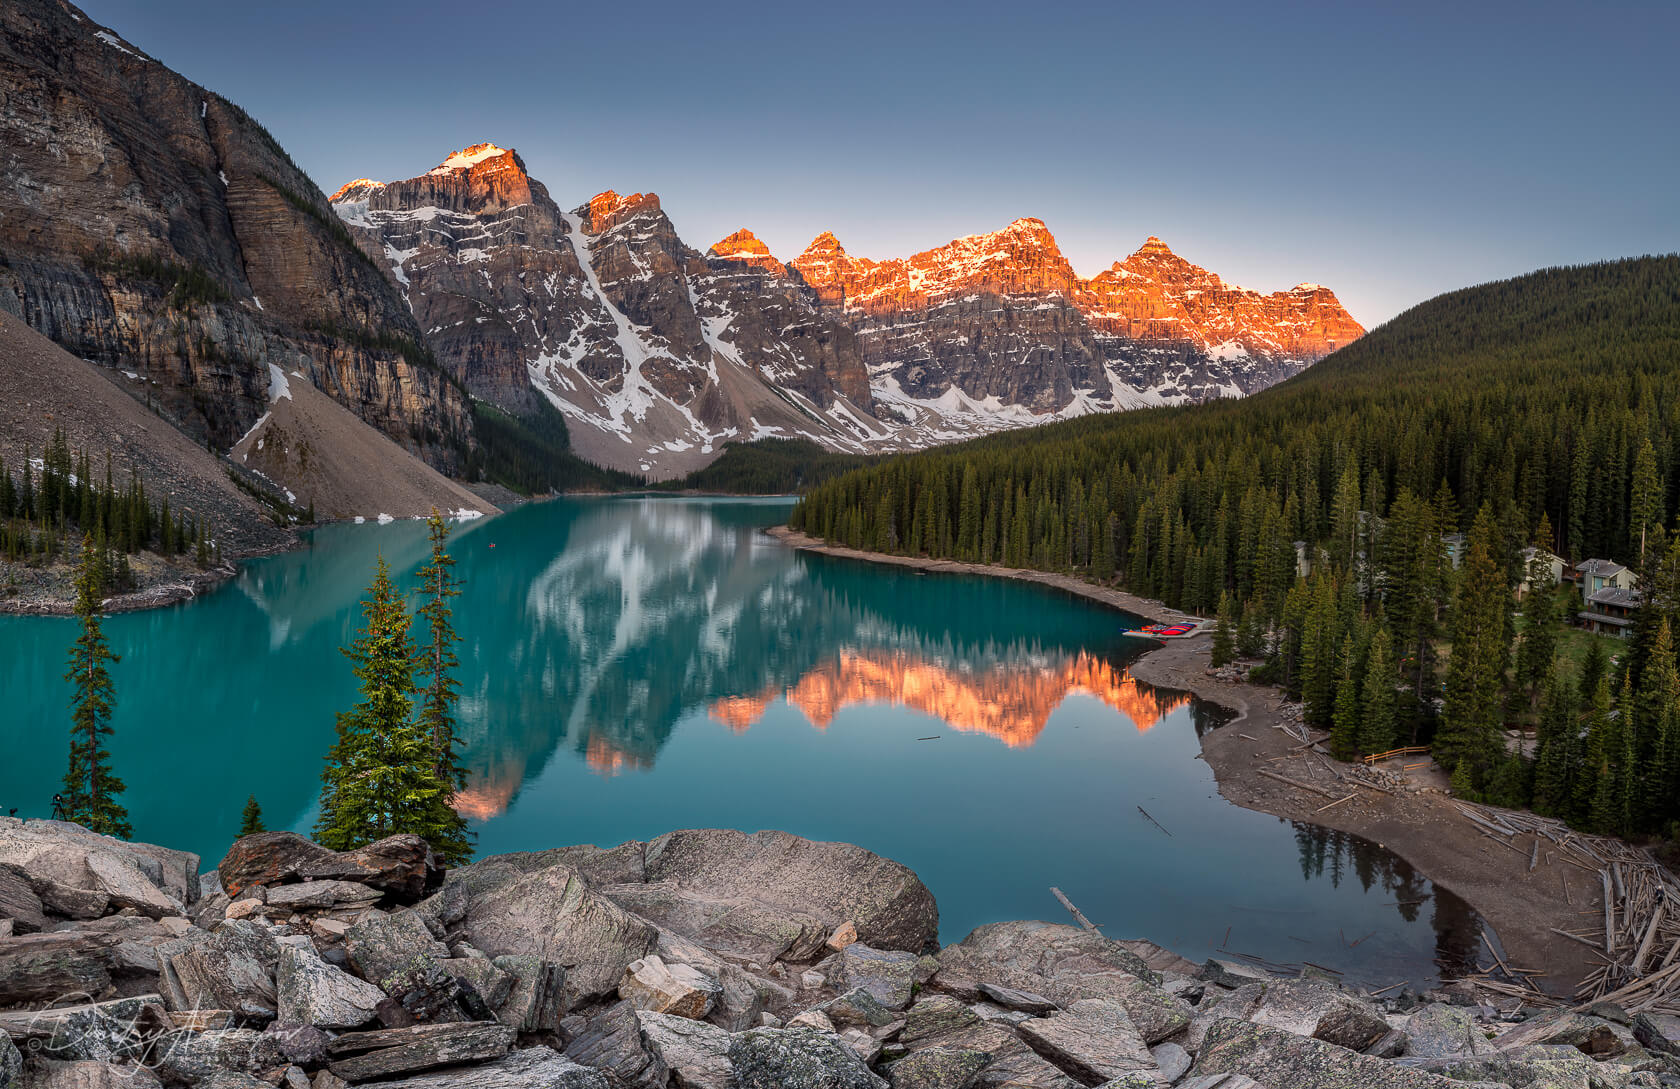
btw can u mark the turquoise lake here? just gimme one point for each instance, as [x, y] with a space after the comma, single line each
[634, 665]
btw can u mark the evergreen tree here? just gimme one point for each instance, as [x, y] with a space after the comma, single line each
[1557, 749]
[1599, 787]
[90, 789]
[437, 662]
[381, 774]
[1470, 728]
[250, 821]
[1344, 730]
[1318, 656]
[1376, 724]
[1224, 632]
[1646, 500]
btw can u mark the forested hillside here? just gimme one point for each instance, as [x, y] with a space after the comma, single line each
[1544, 408]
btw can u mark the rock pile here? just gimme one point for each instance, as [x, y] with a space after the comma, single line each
[700, 960]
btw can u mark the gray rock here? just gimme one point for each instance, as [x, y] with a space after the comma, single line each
[11, 1064]
[796, 1058]
[532, 1068]
[492, 984]
[986, 1011]
[551, 914]
[1594, 1035]
[401, 868]
[1238, 1005]
[1156, 1014]
[192, 1057]
[1391, 1046]
[1566, 1070]
[109, 1032]
[1276, 1057]
[154, 881]
[231, 1079]
[1092, 1040]
[696, 1053]
[1026, 1070]
[231, 970]
[83, 1074]
[1044, 949]
[1011, 999]
[313, 992]
[679, 989]
[303, 1044]
[612, 1041]
[1173, 1061]
[19, 903]
[1232, 974]
[320, 895]
[935, 1015]
[380, 944]
[366, 1056]
[1653, 1034]
[890, 976]
[536, 999]
[1310, 1007]
[783, 874]
[936, 1068]
[1438, 1031]
[857, 1007]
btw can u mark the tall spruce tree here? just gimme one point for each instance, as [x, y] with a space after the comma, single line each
[90, 788]
[1470, 723]
[381, 773]
[1224, 647]
[1557, 748]
[1377, 696]
[1344, 729]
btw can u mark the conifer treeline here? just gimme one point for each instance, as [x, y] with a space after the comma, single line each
[39, 508]
[1548, 404]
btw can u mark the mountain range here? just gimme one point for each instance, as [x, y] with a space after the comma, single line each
[658, 354]
[153, 228]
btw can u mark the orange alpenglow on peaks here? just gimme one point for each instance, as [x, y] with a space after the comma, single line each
[607, 210]
[1012, 705]
[745, 247]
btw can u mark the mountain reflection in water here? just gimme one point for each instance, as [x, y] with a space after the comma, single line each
[630, 666]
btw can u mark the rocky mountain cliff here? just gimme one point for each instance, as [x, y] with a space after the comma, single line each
[655, 353]
[149, 223]
[1002, 321]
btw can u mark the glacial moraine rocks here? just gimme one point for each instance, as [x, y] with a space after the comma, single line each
[701, 960]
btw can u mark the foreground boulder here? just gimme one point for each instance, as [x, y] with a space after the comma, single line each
[829, 883]
[88, 873]
[797, 1058]
[533, 1068]
[1309, 1007]
[1276, 1057]
[1093, 1040]
[266, 859]
[696, 1054]
[551, 914]
[403, 868]
[313, 992]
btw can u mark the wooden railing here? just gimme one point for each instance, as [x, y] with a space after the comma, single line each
[1407, 751]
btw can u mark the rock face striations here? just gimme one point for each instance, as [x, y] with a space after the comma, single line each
[655, 353]
[703, 959]
[148, 222]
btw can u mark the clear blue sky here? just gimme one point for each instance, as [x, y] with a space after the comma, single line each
[1391, 154]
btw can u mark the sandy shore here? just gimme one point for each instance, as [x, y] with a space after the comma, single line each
[1426, 829]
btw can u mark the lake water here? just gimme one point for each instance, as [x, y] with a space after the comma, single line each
[631, 665]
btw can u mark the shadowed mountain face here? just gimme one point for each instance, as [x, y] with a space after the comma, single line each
[148, 224]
